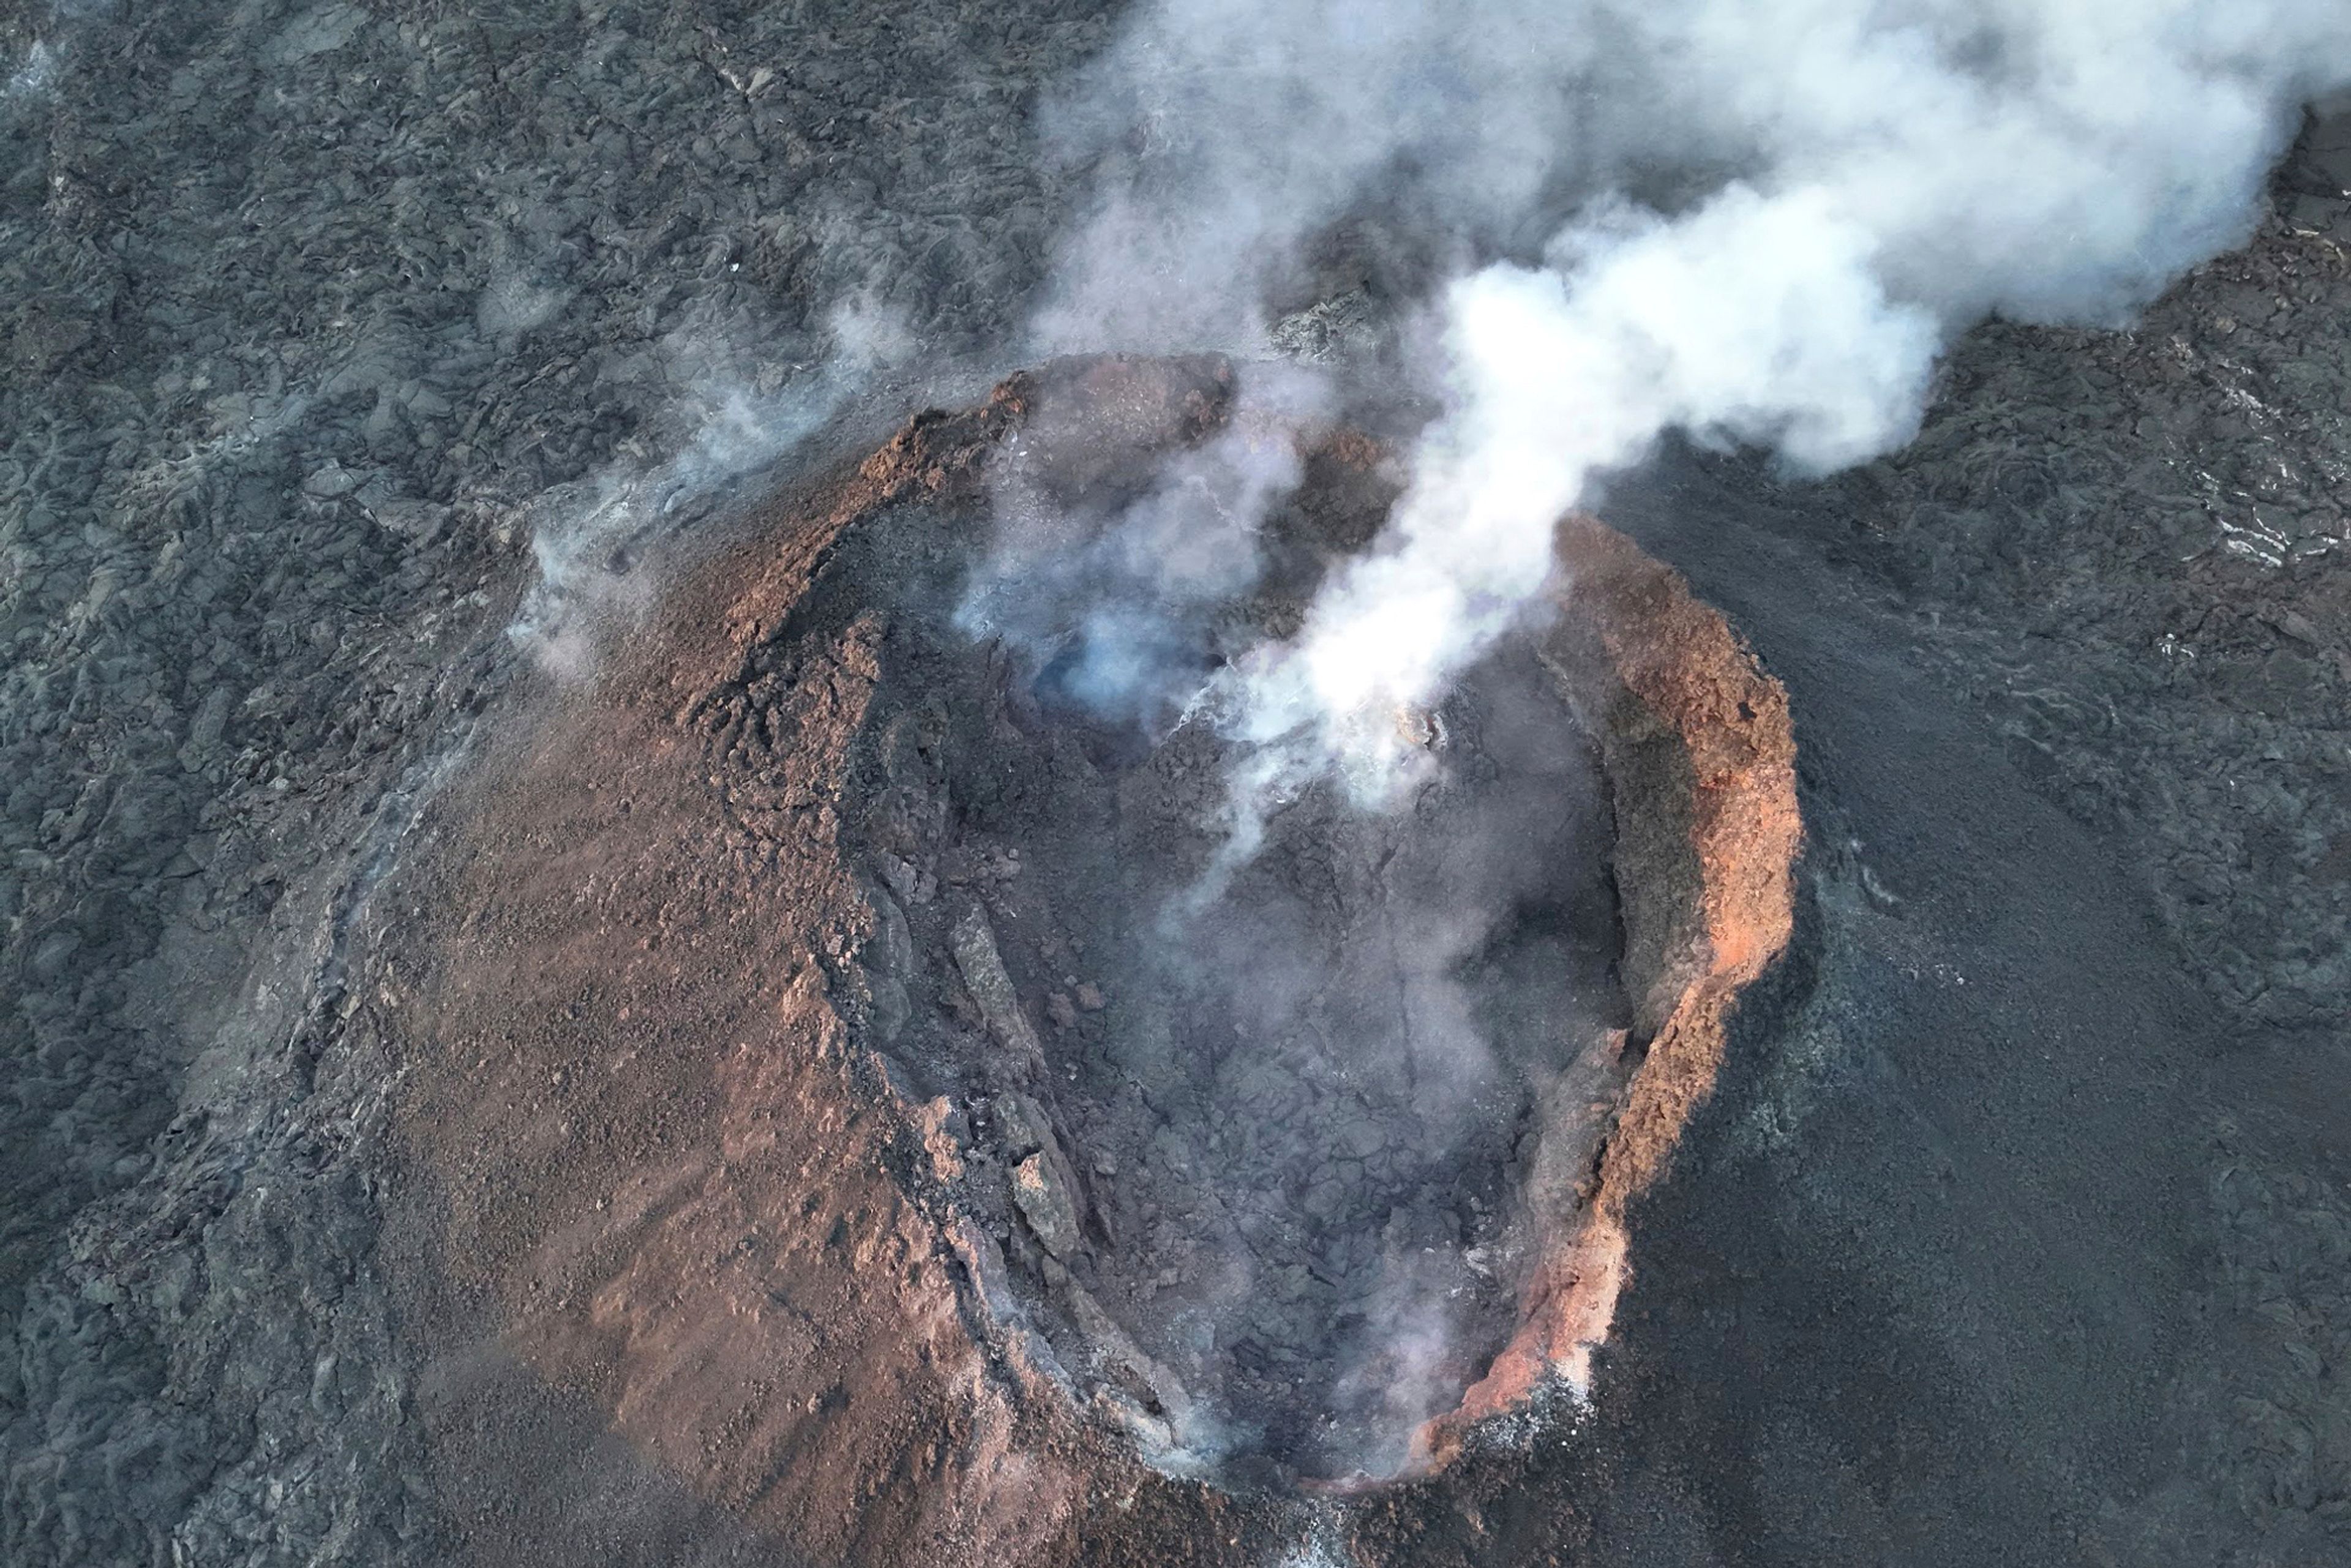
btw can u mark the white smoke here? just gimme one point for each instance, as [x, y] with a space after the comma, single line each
[1225, 134]
[1764, 222]
[1117, 608]
[1753, 318]
[585, 537]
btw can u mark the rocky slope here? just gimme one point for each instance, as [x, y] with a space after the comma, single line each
[318, 315]
[306, 305]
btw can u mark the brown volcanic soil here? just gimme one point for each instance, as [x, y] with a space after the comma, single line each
[670, 1187]
[2014, 1231]
[683, 1158]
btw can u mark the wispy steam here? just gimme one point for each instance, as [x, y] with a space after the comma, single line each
[36, 75]
[1751, 224]
[1226, 136]
[1113, 596]
[1583, 226]
[587, 537]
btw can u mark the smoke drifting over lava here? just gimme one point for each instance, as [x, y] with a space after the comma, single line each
[1118, 602]
[586, 537]
[1748, 223]
[1569, 230]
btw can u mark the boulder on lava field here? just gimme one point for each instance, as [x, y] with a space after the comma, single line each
[1040, 1187]
[982, 968]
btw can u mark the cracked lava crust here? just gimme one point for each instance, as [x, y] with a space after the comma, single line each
[878, 1109]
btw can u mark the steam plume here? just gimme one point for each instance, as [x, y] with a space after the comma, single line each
[1750, 223]
[1118, 608]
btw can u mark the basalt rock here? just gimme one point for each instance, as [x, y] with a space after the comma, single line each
[786, 1167]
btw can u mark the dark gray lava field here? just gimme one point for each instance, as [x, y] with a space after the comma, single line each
[379, 376]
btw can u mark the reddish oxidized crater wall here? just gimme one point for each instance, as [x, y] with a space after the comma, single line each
[818, 1090]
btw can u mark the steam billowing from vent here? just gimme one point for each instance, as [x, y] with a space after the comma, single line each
[1116, 606]
[1751, 224]
[1572, 229]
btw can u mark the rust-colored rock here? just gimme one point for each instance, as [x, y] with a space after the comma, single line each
[1701, 754]
[686, 1196]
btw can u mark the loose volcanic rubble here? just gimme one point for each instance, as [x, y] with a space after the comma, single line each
[305, 305]
[318, 313]
[835, 910]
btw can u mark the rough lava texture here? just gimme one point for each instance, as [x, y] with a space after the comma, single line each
[1701, 761]
[318, 316]
[306, 309]
[679, 1147]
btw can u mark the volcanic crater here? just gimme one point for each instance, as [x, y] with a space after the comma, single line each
[881, 1063]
